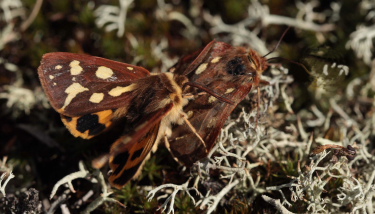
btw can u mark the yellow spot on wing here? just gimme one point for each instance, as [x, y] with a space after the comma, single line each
[212, 99]
[104, 72]
[115, 92]
[216, 59]
[75, 69]
[201, 68]
[130, 68]
[190, 114]
[96, 97]
[58, 67]
[72, 92]
[51, 77]
[229, 90]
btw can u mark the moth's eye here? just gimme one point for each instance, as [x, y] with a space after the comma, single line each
[236, 67]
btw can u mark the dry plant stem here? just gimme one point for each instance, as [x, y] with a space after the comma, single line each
[212, 201]
[171, 198]
[4, 184]
[291, 22]
[113, 16]
[32, 16]
[276, 203]
[104, 197]
[61, 199]
[82, 173]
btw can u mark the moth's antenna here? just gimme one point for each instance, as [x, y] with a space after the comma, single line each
[209, 91]
[291, 61]
[278, 43]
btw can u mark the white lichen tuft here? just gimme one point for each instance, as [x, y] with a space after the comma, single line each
[96, 177]
[113, 17]
[246, 31]
[6, 175]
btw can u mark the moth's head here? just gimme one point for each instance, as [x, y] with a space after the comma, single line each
[259, 63]
[248, 64]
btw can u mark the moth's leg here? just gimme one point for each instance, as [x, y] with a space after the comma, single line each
[261, 83]
[208, 91]
[166, 141]
[193, 96]
[184, 117]
[258, 107]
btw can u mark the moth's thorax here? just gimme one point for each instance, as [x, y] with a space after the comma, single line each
[173, 84]
[175, 96]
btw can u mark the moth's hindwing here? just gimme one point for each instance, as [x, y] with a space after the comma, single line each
[129, 153]
[229, 71]
[89, 125]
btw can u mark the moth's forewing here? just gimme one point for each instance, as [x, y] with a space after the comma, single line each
[78, 84]
[88, 91]
[229, 71]
[91, 93]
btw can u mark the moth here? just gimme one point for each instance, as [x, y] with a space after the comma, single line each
[186, 107]
[227, 70]
[338, 151]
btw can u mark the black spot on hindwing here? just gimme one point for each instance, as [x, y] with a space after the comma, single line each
[90, 122]
[137, 154]
[126, 175]
[236, 67]
[120, 160]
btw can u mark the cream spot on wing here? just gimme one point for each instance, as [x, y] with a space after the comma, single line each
[140, 127]
[115, 92]
[75, 69]
[212, 99]
[54, 83]
[51, 77]
[229, 90]
[216, 59]
[104, 72]
[190, 114]
[58, 67]
[182, 137]
[73, 79]
[96, 97]
[201, 68]
[211, 123]
[130, 68]
[127, 140]
[72, 92]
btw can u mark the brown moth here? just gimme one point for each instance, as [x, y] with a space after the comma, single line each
[91, 94]
[338, 151]
[229, 71]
